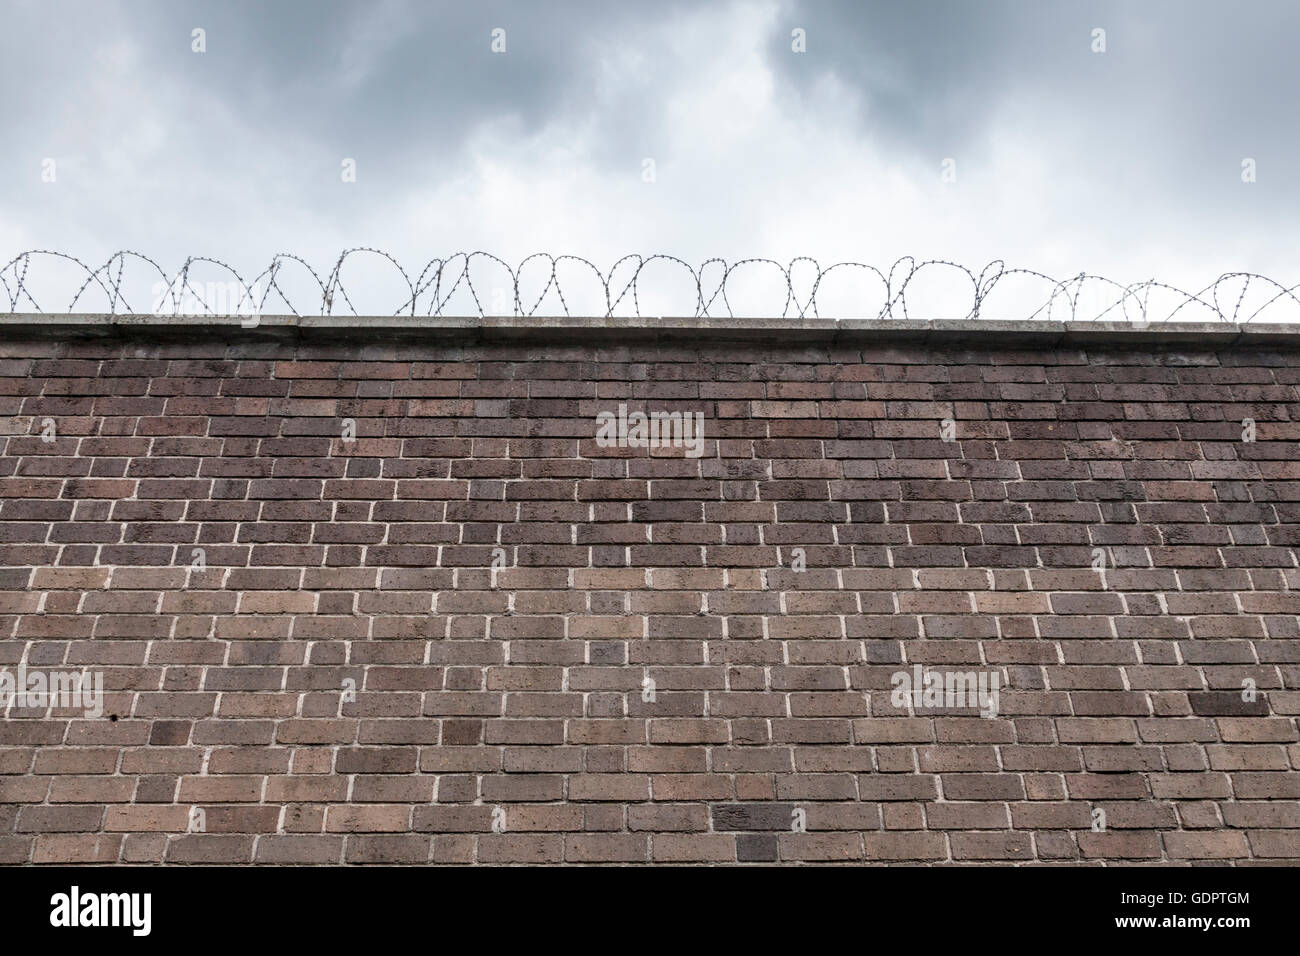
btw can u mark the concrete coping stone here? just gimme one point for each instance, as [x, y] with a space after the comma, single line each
[809, 331]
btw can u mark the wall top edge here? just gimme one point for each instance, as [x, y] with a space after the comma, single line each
[1001, 332]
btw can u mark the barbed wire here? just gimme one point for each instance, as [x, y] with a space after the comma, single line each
[715, 282]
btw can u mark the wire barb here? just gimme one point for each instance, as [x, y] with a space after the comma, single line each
[618, 291]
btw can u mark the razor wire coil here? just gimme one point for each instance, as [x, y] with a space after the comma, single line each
[432, 289]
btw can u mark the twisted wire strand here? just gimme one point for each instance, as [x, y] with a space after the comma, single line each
[716, 283]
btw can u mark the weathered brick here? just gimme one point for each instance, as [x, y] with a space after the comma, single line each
[476, 635]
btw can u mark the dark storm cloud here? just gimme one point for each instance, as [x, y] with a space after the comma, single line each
[1184, 92]
[428, 74]
[398, 86]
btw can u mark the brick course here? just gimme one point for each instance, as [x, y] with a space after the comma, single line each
[433, 643]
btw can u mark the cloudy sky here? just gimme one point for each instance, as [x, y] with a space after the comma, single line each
[965, 130]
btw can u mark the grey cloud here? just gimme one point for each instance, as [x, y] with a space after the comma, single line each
[240, 148]
[398, 86]
[1161, 120]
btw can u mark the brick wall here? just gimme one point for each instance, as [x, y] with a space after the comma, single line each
[567, 652]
